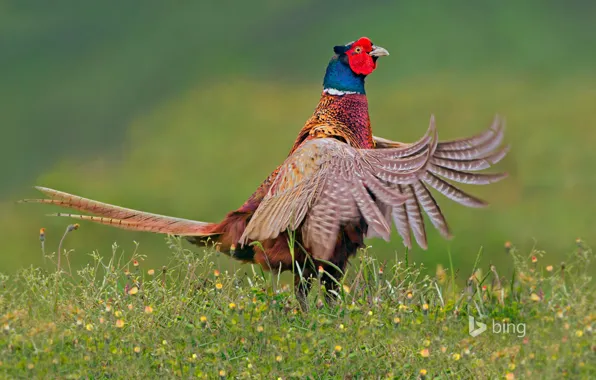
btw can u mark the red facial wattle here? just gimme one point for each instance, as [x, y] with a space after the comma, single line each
[358, 57]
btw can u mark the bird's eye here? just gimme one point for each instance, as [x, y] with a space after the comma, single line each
[357, 50]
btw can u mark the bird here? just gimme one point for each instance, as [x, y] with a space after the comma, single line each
[338, 185]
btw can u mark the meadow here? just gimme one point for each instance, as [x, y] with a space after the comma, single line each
[119, 318]
[184, 109]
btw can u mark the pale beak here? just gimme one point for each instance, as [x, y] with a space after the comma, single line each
[378, 51]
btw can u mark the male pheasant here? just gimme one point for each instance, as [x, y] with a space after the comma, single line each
[338, 185]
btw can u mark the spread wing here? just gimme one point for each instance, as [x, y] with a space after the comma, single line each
[456, 160]
[326, 183]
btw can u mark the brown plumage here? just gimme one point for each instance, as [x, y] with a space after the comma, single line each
[338, 185]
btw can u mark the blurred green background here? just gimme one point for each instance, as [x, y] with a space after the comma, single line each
[183, 108]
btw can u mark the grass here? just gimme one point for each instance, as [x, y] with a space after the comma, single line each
[118, 318]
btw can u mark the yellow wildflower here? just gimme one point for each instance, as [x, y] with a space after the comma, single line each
[535, 297]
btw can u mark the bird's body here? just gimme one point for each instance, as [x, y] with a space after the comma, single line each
[342, 117]
[338, 185]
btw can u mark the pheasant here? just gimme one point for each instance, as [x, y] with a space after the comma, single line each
[339, 185]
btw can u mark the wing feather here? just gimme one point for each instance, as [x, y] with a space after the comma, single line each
[415, 219]
[455, 160]
[326, 183]
[400, 218]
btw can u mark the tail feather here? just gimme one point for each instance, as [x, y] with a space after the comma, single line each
[125, 218]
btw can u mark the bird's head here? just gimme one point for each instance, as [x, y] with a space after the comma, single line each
[351, 63]
[361, 55]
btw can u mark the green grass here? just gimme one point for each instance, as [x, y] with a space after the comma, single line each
[117, 317]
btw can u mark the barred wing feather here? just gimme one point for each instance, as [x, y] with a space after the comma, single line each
[455, 160]
[326, 183]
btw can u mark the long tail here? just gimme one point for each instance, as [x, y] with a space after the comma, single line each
[121, 217]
